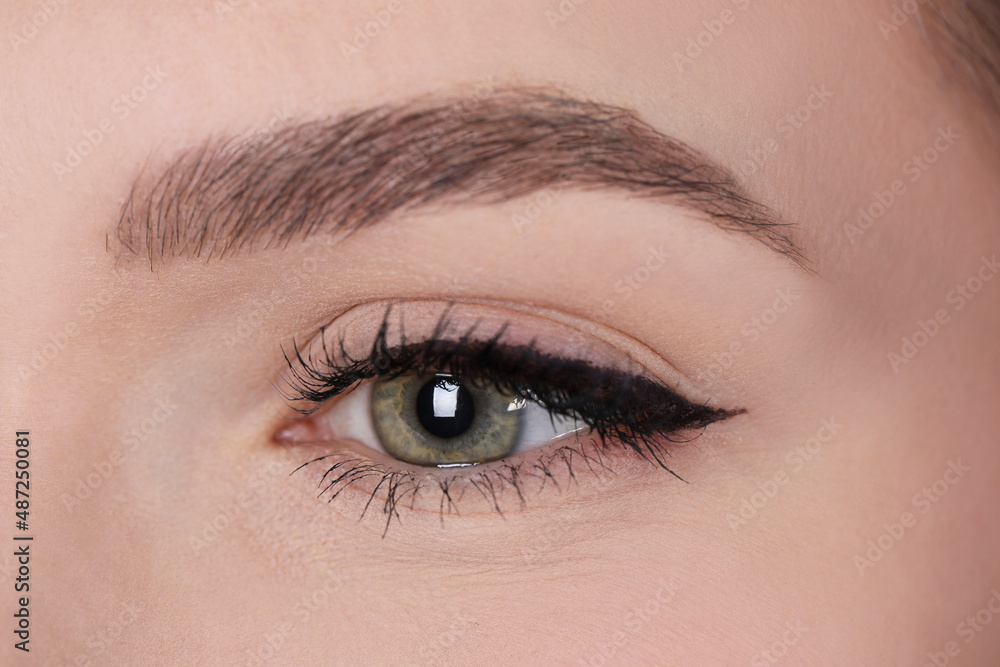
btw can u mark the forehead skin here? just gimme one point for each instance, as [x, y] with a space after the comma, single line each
[660, 565]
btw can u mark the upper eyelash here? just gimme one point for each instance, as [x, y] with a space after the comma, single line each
[617, 406]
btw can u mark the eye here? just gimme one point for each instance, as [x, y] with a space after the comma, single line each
[470, 395]
[444, 420]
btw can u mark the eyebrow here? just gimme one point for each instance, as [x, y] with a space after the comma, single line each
[227, 196]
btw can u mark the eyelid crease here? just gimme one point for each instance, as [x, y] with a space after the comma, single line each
[548, 329]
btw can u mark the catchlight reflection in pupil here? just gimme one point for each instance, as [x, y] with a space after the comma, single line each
[445, 420]
[442, 419]
[445, 407]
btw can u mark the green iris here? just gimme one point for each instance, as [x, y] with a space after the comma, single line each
[440, 420]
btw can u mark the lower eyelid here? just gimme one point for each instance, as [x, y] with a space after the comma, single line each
[366, 484]
[369, 485]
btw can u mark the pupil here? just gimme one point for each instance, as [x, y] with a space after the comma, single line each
[445, 407]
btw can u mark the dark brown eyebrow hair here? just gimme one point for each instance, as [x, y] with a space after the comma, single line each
[224, 197]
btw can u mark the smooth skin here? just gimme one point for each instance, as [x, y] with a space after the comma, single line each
[848, 517]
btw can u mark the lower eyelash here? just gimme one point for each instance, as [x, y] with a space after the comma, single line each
[388, 490]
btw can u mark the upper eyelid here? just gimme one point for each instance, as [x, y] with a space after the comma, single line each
[305, 366]
[505, 365]
[552, 331]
